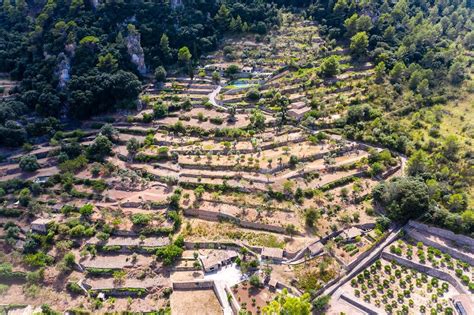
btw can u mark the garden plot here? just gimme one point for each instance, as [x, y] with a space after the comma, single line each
[311, 274]
[250, 298]
[324, 178]
[271, 217]
[195, 302]
[265, 161]
[138, 286]
[209, 119]
[259, 141]
[249, 200]
[129, 243]
[389, 288]
[202, 231]
[169, 139]
[154, 196]
[419, 253]
[134, 219]
[349, 251]
[116, 262]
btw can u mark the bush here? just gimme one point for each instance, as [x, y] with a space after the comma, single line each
[160, 74]
[169, 254]
[74, 288]
[39, 259]
[86, 210]
[255, 281]
[141, 218]
[29, 163]
[217, 120]
[160, 110]
[253, 95]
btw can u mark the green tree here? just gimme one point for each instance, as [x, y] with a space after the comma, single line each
[223, 18]
[351, 25]
[160, 74]
[257, 119]
[380, 71]
[457, 72]
[451, 148]
[286, 304]
[29, 163]
[109, 131]
[321, 303]
[330, 66]
[311, 215]
[199, 192]
[184, 55]
[403, 198]
[397, 74]
[100, 148]
[290, 229]
[165, 47]
[169, 254]
[364, 23]
[359, 44]
[133, 146]
[107, 63]
[160, 110]
[419, 163]
[255, 281]
[231, 70]
[25, 197]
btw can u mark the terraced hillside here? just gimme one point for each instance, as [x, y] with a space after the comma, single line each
[258, 173]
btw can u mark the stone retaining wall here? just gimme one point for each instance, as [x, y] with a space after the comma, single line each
[450, 250]
[458, 238]
[216, 216]
[358, 304]
[193, 285]
[233, 303]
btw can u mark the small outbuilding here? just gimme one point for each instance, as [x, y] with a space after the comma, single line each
[216, 259]
[41, 225]
[351, 234]
[316, 248]
[298, 113]
[273, 254]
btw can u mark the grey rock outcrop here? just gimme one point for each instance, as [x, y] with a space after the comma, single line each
[63, 70]
[135, 50]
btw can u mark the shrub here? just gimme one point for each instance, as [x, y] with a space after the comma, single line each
[217, 120]
[255, 281]
[141, 218]
[39, 259]
[86, 210]
[74, 165]
[169, 254]
[74, 288]
[253, 95]
[29, 163]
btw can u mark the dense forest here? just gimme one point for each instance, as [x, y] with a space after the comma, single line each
[421, 51]
[79, 58]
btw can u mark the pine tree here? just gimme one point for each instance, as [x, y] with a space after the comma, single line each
[165, 46]
[223, 18]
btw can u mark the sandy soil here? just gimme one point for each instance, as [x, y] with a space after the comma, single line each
[196, 302]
